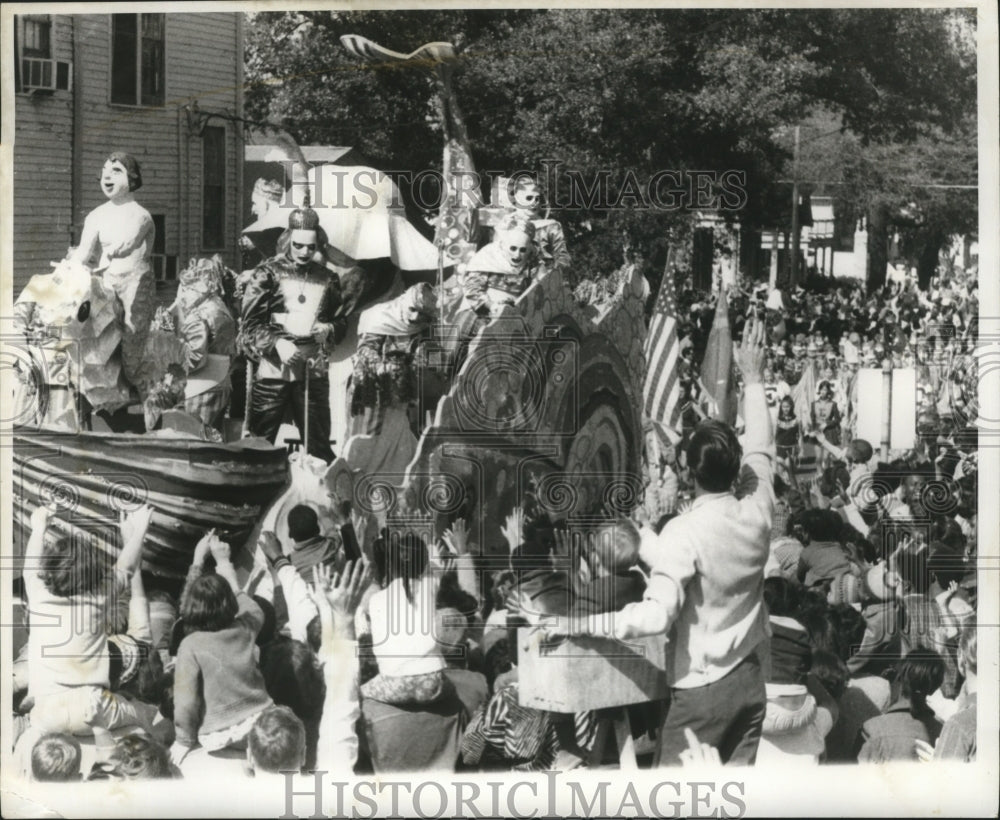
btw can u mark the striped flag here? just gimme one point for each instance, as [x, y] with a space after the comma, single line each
[662, 390]
[457, 223]
[717, 366]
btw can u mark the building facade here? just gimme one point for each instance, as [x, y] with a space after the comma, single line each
[166, 88]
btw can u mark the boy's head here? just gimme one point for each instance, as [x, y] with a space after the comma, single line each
[303, 523]
[859, 451]
[277, 741]
[815, 525]
[71, 566]
[616, 547]
[55, 758]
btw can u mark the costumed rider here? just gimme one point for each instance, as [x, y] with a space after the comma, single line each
[389, 335]
[291, 317]
[495, 277]
[549, 241]
[267, 194]
[201, 320]
[502, 270]
[72, 326]
[119, 234]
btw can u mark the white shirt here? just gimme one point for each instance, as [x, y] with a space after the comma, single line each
[705, 589]
[403, 630]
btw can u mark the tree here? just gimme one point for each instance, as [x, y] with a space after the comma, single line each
[618, 96]
[903, 187]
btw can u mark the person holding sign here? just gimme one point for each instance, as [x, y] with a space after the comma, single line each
[705, 590]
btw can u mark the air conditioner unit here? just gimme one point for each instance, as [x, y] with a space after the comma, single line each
[42, 76]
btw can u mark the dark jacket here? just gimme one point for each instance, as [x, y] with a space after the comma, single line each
[891, 736]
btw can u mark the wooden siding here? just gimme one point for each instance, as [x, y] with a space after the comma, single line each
[201, 67]
[43, 170]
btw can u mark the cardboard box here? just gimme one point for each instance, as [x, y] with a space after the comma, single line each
[578, 674]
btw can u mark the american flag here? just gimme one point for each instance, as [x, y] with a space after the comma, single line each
[662, 390]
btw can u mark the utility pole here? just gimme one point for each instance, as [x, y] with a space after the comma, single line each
[793, 273]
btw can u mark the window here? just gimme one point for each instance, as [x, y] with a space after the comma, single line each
[33, 44]
[137, 59]
[213, 200]
[164, 266]
[37, 36]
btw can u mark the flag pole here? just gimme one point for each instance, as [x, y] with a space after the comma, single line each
[886, 407]
[456, 153]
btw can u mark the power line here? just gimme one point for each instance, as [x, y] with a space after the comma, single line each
[902, 182]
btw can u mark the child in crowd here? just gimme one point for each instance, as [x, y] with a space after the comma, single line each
[893, 736]
[826, 414]
[823, 558]
[309, 548]
[611, 561]
[411, 668]
[881, 608]
[73, 600]
[55, 758]
[957, 740]
[134, 757]
[857, 455]
[218, 688]
[799, 712]
[787, 433]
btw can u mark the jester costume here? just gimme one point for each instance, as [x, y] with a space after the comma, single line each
[203, 323]
[283, 300]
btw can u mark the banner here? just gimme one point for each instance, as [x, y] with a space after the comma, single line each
[903, 414]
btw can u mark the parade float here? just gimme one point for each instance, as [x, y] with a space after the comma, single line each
[546, 394]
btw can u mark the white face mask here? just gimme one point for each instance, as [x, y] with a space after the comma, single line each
[528, 199]
[516, 245]
[114, 179]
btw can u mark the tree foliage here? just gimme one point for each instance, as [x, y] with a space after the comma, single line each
[627, 93]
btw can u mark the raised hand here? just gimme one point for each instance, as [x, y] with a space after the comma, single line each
[270, 545]
[564, 544]
[338, 600]
[40, 518]
[457, 537]
[513, 530]
[220, 549]
[348, 589]
[751, 355]
[201, 549]
[133, 524]
[257, 574]
[440, 556]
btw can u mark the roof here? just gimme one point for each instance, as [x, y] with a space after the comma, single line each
[312, 153]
